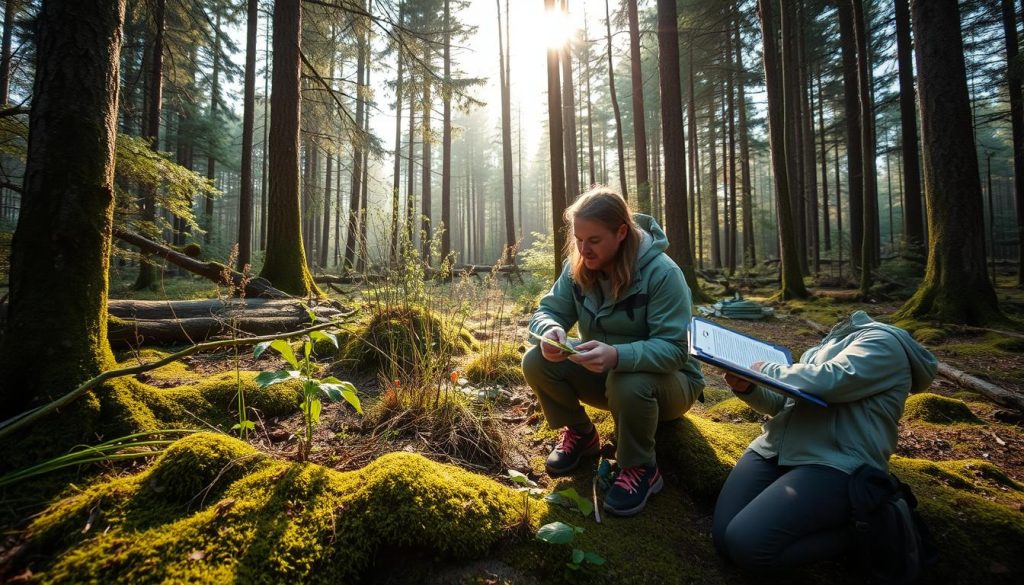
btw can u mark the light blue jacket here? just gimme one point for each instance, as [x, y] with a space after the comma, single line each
[647, 325]
[864, 370]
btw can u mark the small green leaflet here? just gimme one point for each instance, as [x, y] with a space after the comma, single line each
[286, 352]
[264, 379]
[321, 336]
[569, 497]
[336, 390]
[558, 533]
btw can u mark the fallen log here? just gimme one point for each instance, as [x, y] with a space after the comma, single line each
[136, 323]
[255, 287]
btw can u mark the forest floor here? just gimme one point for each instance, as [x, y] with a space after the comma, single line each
[346, 442]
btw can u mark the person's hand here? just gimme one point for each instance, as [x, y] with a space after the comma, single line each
[739, 384]
[550, 352]
[596, 356]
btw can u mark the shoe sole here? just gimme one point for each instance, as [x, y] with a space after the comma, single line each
[566, 470]
[658, 485]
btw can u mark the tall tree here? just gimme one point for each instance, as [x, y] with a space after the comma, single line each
[912, 216]
[211, 160]
[572, 172]
[147, 274]
[792, 279]
[870, 230]
[854, 145]
[643, 185]
[61, 246]
[506, 136]
[427, 106]
[677, 222]
[956, 287]
[355, 183]
[285, 263]
[446, 138]
[615, 104]
[398, 145]
[10, 11]
[1017, 122]
[248, 123]
[558, 202]
[749, 251]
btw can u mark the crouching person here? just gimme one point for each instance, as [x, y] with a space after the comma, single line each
[633, 307]
[786, 503]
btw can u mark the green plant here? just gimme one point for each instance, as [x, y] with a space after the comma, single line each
[236, 295]
[119, 449]
[563, 533]
[312, 388]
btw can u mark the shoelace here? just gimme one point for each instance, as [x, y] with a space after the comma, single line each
[568, 440]
[629, 478]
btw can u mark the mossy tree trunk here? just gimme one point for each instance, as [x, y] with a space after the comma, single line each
[956, 287]
[285, 264]
[56, 334]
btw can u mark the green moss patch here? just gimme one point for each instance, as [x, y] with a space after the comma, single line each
[403, 337]
[932, 408]
[734, 410]
[280, 523]
[703, 451]
[500, 365]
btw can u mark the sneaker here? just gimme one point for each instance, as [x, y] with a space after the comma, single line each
[571, 447]
[631, 489]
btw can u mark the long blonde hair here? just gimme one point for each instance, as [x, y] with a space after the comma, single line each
[608, 208]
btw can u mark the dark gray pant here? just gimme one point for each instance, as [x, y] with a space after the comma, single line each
[770, 517]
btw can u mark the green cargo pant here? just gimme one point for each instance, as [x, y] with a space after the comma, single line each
[637, 401]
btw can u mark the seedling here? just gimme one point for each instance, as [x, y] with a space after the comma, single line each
[562, 533]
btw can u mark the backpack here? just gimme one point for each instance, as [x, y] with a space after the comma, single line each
[892, 543]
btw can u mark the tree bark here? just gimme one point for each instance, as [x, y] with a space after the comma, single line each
[506, 140]
[956, 287]
[749, 249]
[397, 180]
[643, 186]
[869, 244]
[446, 138]
[854, 146]
[355, 184]
[211, 161]
[285, 263]
[912, 215]
[60, 252]
[425, 176]
[792, 279]
[571, 154]
[558, 202]
[1017, 122]
[147, 276]
[615, 106]
[248, 124]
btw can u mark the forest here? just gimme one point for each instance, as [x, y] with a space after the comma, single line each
[267, 269]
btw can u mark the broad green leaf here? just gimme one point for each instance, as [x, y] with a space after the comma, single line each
[286, 352]
[321, 336]
[338, 390]
[260, 348]
[577, 556]
[556, 533]
[264, 379]
[521, 478]
[582, 504]
[593, 558]
[313, 412]
[244, 425]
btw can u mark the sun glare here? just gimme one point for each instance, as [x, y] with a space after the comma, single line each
[558, 29]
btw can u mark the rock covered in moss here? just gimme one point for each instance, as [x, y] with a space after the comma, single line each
[275, 522]
[932, 408]
[734, 410]
[405, 334]
[500, 365]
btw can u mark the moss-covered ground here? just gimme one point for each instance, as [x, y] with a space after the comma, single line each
[381, 507]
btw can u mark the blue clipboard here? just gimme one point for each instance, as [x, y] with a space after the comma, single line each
[746, 373]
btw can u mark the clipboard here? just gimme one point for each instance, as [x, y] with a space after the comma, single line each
[700, 352]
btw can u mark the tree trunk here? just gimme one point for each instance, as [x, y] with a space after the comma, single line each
[325, 235]
[1017, 121]
[506, 141]
[793, 100]
[716, 245]
[410, 184]
[854, 145]
[60, 252]
[558, 202]
[826, 222]
[615, 106]
[355, 184]
[248, 122]
[397, 180]
[10, 11]
[730, 85]
[285, 263]
[956, 287]
[571, 154]
[446, 140]
[643, 186]
[792, 279]
[912, 216]
[147, 275]
[425, 176]
[265, 154]
[673, 141]
[749, 250]
[869, 244]
[211, 166]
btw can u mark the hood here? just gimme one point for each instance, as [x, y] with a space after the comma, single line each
[649, 248]
[923, 364]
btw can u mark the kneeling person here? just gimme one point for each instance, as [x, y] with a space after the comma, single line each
[633, 307]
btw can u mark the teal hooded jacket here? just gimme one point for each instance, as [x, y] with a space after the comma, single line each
[864, 370]
[647, 325]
